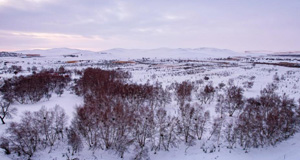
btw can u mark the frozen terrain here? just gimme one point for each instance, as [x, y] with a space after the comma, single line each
[125, 54]
[165, 66]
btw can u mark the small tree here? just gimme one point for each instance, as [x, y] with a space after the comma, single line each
[34, 69]
[6, 111]
[230, 134]
[166, 131]
[233, 98]
[74, 140]
[24, 136]
[206, 94]
[59, 90]
[187, 116]
[200, 121]
[216, 129]
[184, 92]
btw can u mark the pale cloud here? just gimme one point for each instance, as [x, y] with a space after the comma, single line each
[46, 40]
[148, 30]
[173, 17]
[4, 3]
[48, 36]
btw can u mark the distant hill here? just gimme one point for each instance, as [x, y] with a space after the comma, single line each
[273, 53]
[54, 51]
[9, 54]
[185, 53]
[120, 53]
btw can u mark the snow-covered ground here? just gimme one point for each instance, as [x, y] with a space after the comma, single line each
[165, 66]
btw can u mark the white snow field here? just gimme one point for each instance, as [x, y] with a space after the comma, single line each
[166, 66]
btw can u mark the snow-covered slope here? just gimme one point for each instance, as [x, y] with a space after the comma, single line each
[120, 53]
[184, 53]
[55, 51]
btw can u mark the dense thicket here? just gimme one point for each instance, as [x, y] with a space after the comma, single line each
[116, 114]
[32, 88]
[267, 119]
[103, 88]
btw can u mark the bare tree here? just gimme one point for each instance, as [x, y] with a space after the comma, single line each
[166, 131]
[24, 137]
[187, 114]
[74, 140]
[184, 92]
[36, 131]
[206, 94]
[6, 111]
[220, 107]
[231, 134]
[216, 129]
[200, 121]
[233, 98]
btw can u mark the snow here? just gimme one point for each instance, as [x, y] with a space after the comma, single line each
[166, 73]
[183, 53]
[125, 54]
[288, 150]
[67, 101]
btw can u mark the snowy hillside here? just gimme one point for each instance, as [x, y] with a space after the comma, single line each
[184, 53]
[55, 51]
[120, 53]
[278, 53]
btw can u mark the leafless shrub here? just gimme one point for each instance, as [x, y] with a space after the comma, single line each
[183, 92]
[267, 120]
[36, 131]
[232, 99]
[206, 94]
[6, 111]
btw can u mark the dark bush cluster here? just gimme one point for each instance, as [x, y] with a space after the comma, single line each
[267, 119]
[104, 88]
[117, 115]
[206, 95]
[14, 69]
[31, 89]
[183, 92]
[232, 99]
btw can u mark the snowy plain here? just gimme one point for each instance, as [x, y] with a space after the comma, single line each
[165, 66]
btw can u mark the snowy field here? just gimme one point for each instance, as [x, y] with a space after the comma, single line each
[201, 66]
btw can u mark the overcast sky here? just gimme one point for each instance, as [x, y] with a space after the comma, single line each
[103, 24]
